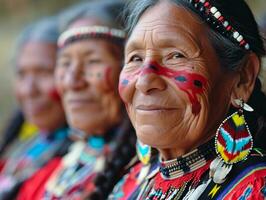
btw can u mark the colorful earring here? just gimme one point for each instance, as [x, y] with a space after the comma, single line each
[233, 143]
[143, 152]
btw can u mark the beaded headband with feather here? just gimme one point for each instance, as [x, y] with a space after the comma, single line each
[215, 18]
[85, 32]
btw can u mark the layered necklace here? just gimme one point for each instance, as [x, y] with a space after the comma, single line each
[77, 168]
[179, 178]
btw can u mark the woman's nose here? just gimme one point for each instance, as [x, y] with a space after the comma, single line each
[149, 80]
[75, 77]
[30, 87]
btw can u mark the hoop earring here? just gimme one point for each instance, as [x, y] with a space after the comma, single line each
[233, 143]
[143, 152]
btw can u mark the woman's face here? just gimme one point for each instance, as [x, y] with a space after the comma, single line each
[175, 91]
[87, 77]
[35, 88]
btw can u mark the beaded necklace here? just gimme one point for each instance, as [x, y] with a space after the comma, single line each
[180, 176]
[78, 166]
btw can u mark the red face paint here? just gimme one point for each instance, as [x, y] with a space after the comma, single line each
[108, 78]
[54, 95]
[191, 83]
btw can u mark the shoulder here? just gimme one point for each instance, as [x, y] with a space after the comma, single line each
[246, 181]
[36, 183]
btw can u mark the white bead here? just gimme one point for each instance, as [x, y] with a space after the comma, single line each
[213, 10]
[225, 24]
[236, 34]
[240, 38]
[202, 1]
[247, 46]
[217, 15]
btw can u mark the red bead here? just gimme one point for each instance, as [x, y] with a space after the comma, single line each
[196, 1]
[229, 28]
[221, 19]
[207, 4]
[242, 42]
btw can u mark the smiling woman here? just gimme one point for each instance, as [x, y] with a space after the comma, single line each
[190, 68]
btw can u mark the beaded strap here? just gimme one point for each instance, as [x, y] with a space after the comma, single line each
[89, 31]
[188, 162]
[215, 18]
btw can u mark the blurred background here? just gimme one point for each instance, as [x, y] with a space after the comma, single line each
[15, 14]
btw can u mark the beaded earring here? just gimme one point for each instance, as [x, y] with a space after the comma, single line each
[233, 143]
[143, 152]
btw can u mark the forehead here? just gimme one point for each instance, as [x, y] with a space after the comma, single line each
[168, 20]
[86, 47]
[37, 54]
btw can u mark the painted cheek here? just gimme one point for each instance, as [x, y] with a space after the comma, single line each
[54, 95]
[108, 78]
[191, 83]
[126, 85]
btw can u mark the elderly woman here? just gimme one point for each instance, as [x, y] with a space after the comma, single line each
[40, 105]
[89, 62]
[191, 90]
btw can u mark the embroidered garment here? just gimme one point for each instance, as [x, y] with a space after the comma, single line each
[191, 180]
[73, 175]
[29, 157]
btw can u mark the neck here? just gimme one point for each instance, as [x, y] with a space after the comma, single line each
[169, 154]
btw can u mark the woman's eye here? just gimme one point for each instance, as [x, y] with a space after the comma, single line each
[135, 58]
[63, 63]
[176, 55]
[93, 61]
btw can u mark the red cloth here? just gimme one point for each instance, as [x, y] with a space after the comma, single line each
[33, 188]
[251, 187]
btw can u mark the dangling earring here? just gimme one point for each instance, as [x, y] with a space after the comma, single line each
[233, 143]
[143, 152]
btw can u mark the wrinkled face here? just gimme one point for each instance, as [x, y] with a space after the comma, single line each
[35, 88]
[87, 77]
[175, 91]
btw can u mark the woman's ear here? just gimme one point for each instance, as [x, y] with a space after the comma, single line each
[247, 76]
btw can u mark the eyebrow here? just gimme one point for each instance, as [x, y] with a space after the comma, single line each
[167, 39]
[67, 54]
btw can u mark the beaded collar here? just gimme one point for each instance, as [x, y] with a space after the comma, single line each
[189, 162]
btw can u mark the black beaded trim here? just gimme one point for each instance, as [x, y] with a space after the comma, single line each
[184, 164]
[217, 21]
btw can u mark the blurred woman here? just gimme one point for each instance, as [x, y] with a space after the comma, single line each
[40, 105]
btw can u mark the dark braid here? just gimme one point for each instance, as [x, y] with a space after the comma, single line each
[258, 102]
[12, 129]
[118, 159]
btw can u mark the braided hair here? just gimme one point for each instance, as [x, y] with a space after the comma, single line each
[115, 163]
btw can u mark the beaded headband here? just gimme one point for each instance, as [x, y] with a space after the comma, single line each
[84, 32]
[215, 18]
